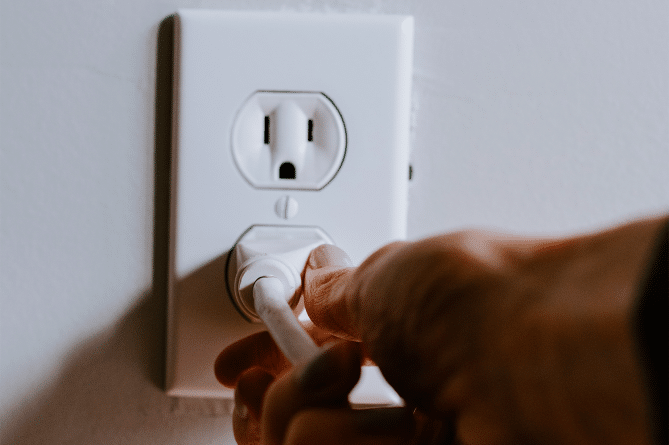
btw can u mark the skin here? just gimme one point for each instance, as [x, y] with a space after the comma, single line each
[489, 338]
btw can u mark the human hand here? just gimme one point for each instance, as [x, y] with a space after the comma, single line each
[518, 340]
[308, 404]
[255, 364]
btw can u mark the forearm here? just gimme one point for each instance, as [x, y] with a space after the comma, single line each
[519, 339]
[575, 348]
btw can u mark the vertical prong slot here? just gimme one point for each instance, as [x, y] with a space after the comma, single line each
[310, 130]
[266, 135]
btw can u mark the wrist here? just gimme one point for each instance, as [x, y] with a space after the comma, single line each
[650, 335]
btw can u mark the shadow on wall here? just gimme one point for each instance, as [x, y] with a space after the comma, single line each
[110, 389]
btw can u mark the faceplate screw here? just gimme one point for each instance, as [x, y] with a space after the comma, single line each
[286, 207]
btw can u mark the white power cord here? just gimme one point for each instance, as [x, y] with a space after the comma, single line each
[271, 303]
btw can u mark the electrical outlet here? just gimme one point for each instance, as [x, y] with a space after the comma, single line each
[288, 140]
[247, 84]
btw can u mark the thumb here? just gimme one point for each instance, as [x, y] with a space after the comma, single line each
[328, 273]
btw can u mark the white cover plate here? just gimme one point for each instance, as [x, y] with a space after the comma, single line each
[363, 63]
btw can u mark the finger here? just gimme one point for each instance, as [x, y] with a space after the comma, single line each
[331, 287]
[318, 334]
[327, 274]
[257, 350]
[245, 427]
[384, 426]
[260, 350]
[324, 381]
[251, 389]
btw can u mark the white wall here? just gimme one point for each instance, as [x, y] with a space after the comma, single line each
[544, 117]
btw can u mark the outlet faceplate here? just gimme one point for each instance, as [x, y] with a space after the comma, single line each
[363, 64]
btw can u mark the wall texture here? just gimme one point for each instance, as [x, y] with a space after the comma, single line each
[546, 117]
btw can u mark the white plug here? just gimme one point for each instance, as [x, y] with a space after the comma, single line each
[267, 283]
[271, 251]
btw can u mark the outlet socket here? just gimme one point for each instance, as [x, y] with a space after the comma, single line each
[288, 140]
[362, 63]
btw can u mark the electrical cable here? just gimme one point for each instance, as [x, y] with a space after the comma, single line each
[271, 304]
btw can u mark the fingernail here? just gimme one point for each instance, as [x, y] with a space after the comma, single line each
[329, 255]
[383, 420]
